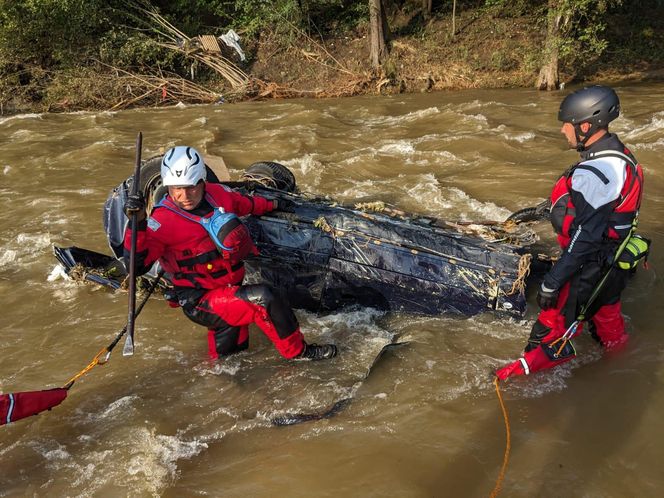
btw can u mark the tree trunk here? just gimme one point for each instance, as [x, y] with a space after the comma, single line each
[549, 78]
[426, 8]
[378, 33]
[453, 18]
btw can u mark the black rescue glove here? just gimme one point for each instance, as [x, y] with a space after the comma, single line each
[547, 298]
[135, 205]
[284, 205]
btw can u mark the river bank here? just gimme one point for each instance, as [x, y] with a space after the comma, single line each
[487, 50]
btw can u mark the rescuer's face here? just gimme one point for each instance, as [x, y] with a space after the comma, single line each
[568, 131]
[189, 197]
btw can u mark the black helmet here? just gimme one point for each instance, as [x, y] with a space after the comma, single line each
[597, 105]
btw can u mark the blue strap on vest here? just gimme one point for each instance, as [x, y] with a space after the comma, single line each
[212, 224]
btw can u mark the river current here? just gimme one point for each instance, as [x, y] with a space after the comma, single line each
[425, 422]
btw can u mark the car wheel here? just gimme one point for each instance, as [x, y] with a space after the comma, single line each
[271, 174]
[536, 213]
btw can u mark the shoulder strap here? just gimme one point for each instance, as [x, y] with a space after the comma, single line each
[212, 225]
[613, 153]
[170, 205]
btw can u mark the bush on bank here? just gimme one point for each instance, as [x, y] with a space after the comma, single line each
[52, 51]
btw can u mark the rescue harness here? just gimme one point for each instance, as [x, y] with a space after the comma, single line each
[231, 240]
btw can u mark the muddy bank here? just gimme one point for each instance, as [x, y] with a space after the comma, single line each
[485, 51]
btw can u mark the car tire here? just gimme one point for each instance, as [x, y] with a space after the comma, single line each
[271, 174]
[536, 213]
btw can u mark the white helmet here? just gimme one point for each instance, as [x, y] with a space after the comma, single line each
[182, 166]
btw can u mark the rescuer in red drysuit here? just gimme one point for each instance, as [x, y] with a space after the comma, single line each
[206, 264]
[593, 205]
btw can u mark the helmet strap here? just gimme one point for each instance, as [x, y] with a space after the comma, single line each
[581, 142]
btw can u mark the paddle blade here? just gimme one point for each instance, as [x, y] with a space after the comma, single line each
[128, 349]
[16, 406]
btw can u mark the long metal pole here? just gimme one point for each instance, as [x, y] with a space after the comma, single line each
[128, 349]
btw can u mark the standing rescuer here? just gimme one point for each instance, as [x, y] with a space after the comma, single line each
[197, 237]
[594, 206]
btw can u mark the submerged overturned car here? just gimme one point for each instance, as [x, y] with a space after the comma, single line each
[325, 256]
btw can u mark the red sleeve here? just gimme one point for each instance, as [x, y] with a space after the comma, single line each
[244, 205]
[148, 247]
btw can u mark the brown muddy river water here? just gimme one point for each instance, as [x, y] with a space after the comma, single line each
[426, 422]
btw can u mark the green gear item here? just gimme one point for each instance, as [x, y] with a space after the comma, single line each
[636, 249]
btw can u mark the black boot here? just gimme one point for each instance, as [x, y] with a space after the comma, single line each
[314, 352]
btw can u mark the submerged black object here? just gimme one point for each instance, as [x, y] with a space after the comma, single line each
[540, 212]
[324, 256]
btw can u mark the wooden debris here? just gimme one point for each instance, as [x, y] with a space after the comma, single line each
[210, 44]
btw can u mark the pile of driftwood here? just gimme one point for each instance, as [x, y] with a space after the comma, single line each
[113, 88]
[105, 87]
[204, 49]
[138, 89]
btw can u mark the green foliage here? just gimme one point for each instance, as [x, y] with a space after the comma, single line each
[582, 37]
[125, 49]
[52, 42]
[47, 32]
[514, 8]
[501, 60]
[634, 38]
[284, 16]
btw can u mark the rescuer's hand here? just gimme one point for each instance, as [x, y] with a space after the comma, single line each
[135, 205]
[547, 298]
[285, 205]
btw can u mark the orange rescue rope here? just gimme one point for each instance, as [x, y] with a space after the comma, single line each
[104, 355]
[95, 361]
[506, 457]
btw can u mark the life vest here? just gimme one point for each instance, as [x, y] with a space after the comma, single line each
[626, 206]
[212, 249]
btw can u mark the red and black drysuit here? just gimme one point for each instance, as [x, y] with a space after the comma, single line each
[593, 205]
[208, 281]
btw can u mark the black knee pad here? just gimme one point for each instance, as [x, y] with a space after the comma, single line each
[260, 294]
[277, 308]
[226, 341]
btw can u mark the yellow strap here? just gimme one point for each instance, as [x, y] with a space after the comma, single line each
[506, 457]
[95, 361]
